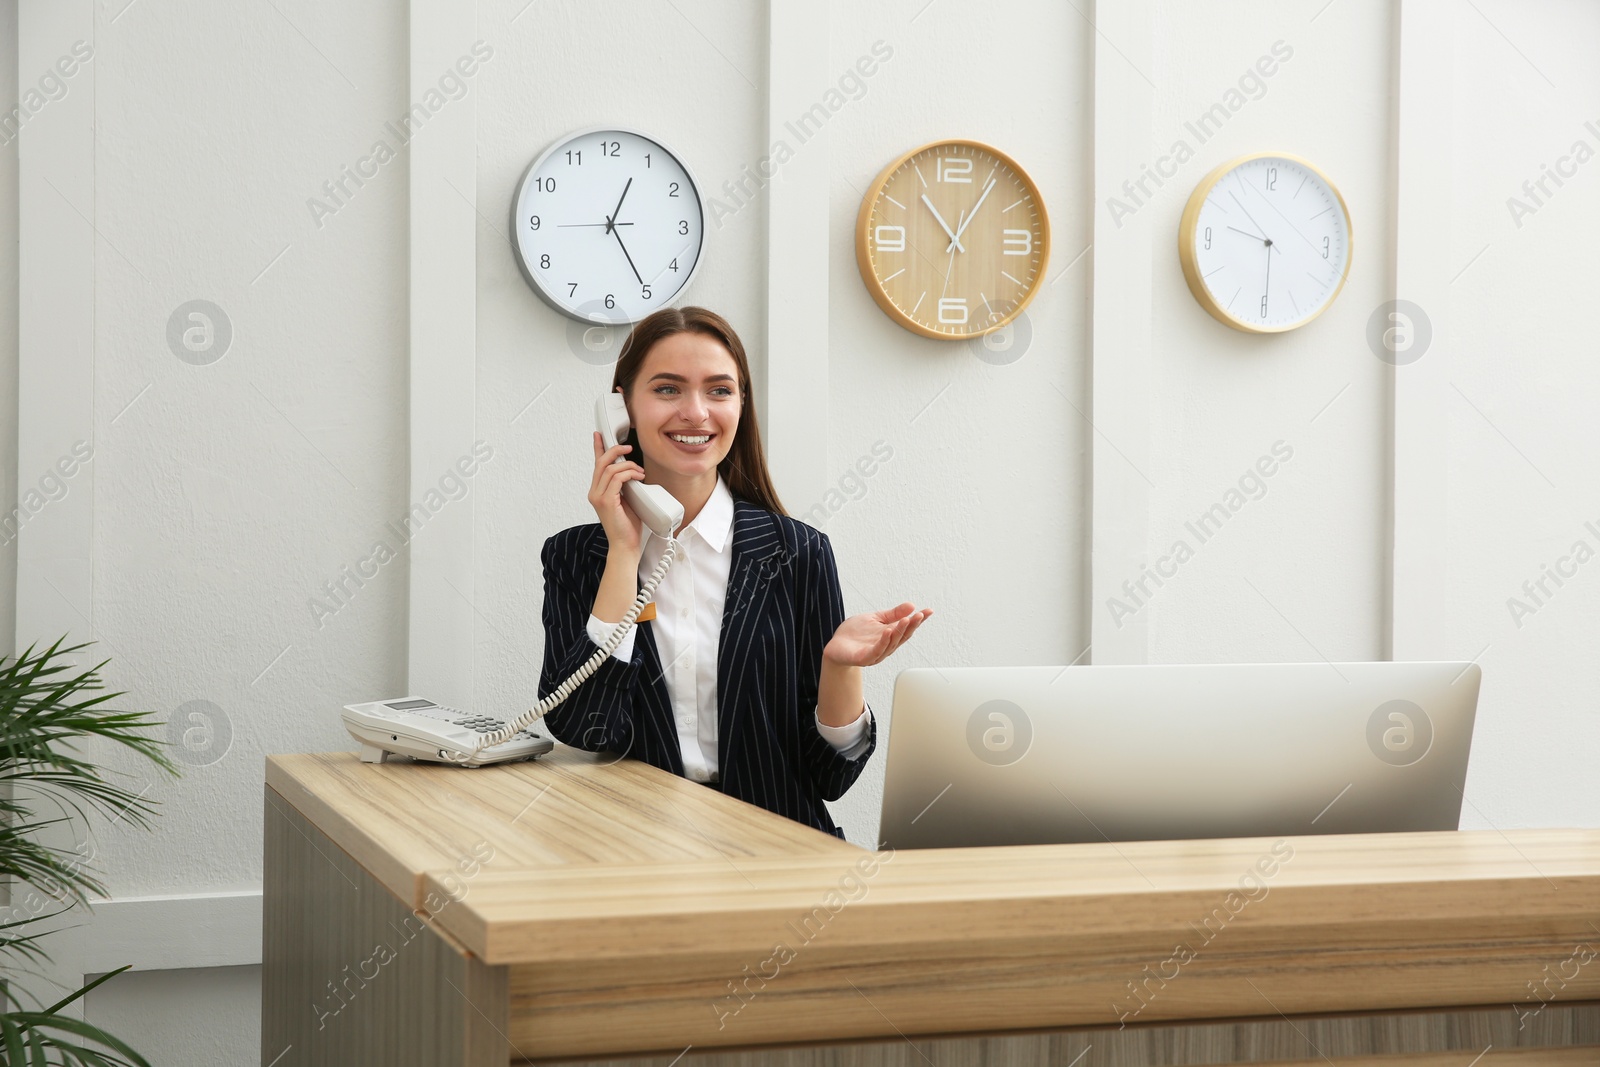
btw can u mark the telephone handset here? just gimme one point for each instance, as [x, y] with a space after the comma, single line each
[655, 506]
[421, 729]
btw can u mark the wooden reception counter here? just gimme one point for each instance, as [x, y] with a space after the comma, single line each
[574, 908]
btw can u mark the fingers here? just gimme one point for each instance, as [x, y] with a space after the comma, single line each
[889, 615]
[605, 462]
[612, 481]
[903, 630]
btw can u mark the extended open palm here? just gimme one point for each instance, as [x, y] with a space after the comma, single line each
[863, 640]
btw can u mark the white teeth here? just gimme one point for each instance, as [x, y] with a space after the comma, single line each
[690, 440]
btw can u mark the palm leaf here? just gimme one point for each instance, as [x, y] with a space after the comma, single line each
[49, 707]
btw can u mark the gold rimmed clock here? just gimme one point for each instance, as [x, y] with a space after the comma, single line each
[952, 240]
[1264, 242]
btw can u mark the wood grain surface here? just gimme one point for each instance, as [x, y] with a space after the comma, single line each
[400, 819]
[627, 912]
[740, 951]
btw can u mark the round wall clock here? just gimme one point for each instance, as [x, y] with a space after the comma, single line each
[608, 226]
[952, 240]
[1265, 242]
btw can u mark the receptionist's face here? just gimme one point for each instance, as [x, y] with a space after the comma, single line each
[687, 387]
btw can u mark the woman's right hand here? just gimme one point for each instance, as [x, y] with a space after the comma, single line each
[624, 529]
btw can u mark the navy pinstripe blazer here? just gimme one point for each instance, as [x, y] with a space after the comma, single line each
[783, 605]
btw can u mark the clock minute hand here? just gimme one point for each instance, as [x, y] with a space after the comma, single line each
[1266, 286]
[962, 228]
[618, 236]
[942, 224]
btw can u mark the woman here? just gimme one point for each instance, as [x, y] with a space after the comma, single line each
[748, 678]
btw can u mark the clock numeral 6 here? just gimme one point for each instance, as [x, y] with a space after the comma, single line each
[611, 301]
[953, 310]
[1021, 239]
[890, 238]
[955, 169]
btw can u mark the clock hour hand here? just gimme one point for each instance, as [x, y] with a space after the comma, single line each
[942, 225]
[611, 218]
[1247, 233]
[1247, 215]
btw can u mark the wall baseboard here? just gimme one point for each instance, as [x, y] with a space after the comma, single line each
[166, 933]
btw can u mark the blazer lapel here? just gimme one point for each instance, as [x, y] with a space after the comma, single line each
[654, 711]
[758, 553]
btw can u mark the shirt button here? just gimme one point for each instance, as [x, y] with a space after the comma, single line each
[683, 613]
[684, 720]
[688, 663]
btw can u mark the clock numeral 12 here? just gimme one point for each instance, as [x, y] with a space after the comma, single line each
[955, 169]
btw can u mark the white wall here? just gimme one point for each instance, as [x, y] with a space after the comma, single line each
[1523, 387]
[224, 496]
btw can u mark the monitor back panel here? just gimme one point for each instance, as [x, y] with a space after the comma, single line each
[1036, 755]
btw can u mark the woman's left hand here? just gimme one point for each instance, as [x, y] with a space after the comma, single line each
[863, 640]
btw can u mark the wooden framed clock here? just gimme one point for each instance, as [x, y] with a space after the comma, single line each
[1264, 242]
[607, 225]
[952, 240]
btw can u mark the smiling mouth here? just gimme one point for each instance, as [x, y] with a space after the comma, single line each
[692, 440]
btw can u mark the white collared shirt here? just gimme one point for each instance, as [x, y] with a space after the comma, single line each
[688, 628]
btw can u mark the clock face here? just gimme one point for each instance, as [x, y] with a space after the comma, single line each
[952, 240]
[1265, 243]
[608, 226]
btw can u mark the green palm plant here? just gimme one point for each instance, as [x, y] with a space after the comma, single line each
[47, 707]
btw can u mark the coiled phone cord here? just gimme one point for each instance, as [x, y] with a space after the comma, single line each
[581, 675]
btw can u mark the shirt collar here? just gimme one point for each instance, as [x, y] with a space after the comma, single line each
[715, 521]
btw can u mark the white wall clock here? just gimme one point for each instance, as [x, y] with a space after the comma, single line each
[608, 225]
[1265, 242]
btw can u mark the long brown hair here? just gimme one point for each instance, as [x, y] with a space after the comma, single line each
[744, 469]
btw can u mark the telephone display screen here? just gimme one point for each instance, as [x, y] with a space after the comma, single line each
[411, 705]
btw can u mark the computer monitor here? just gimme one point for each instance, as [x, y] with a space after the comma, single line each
[1042, 755]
